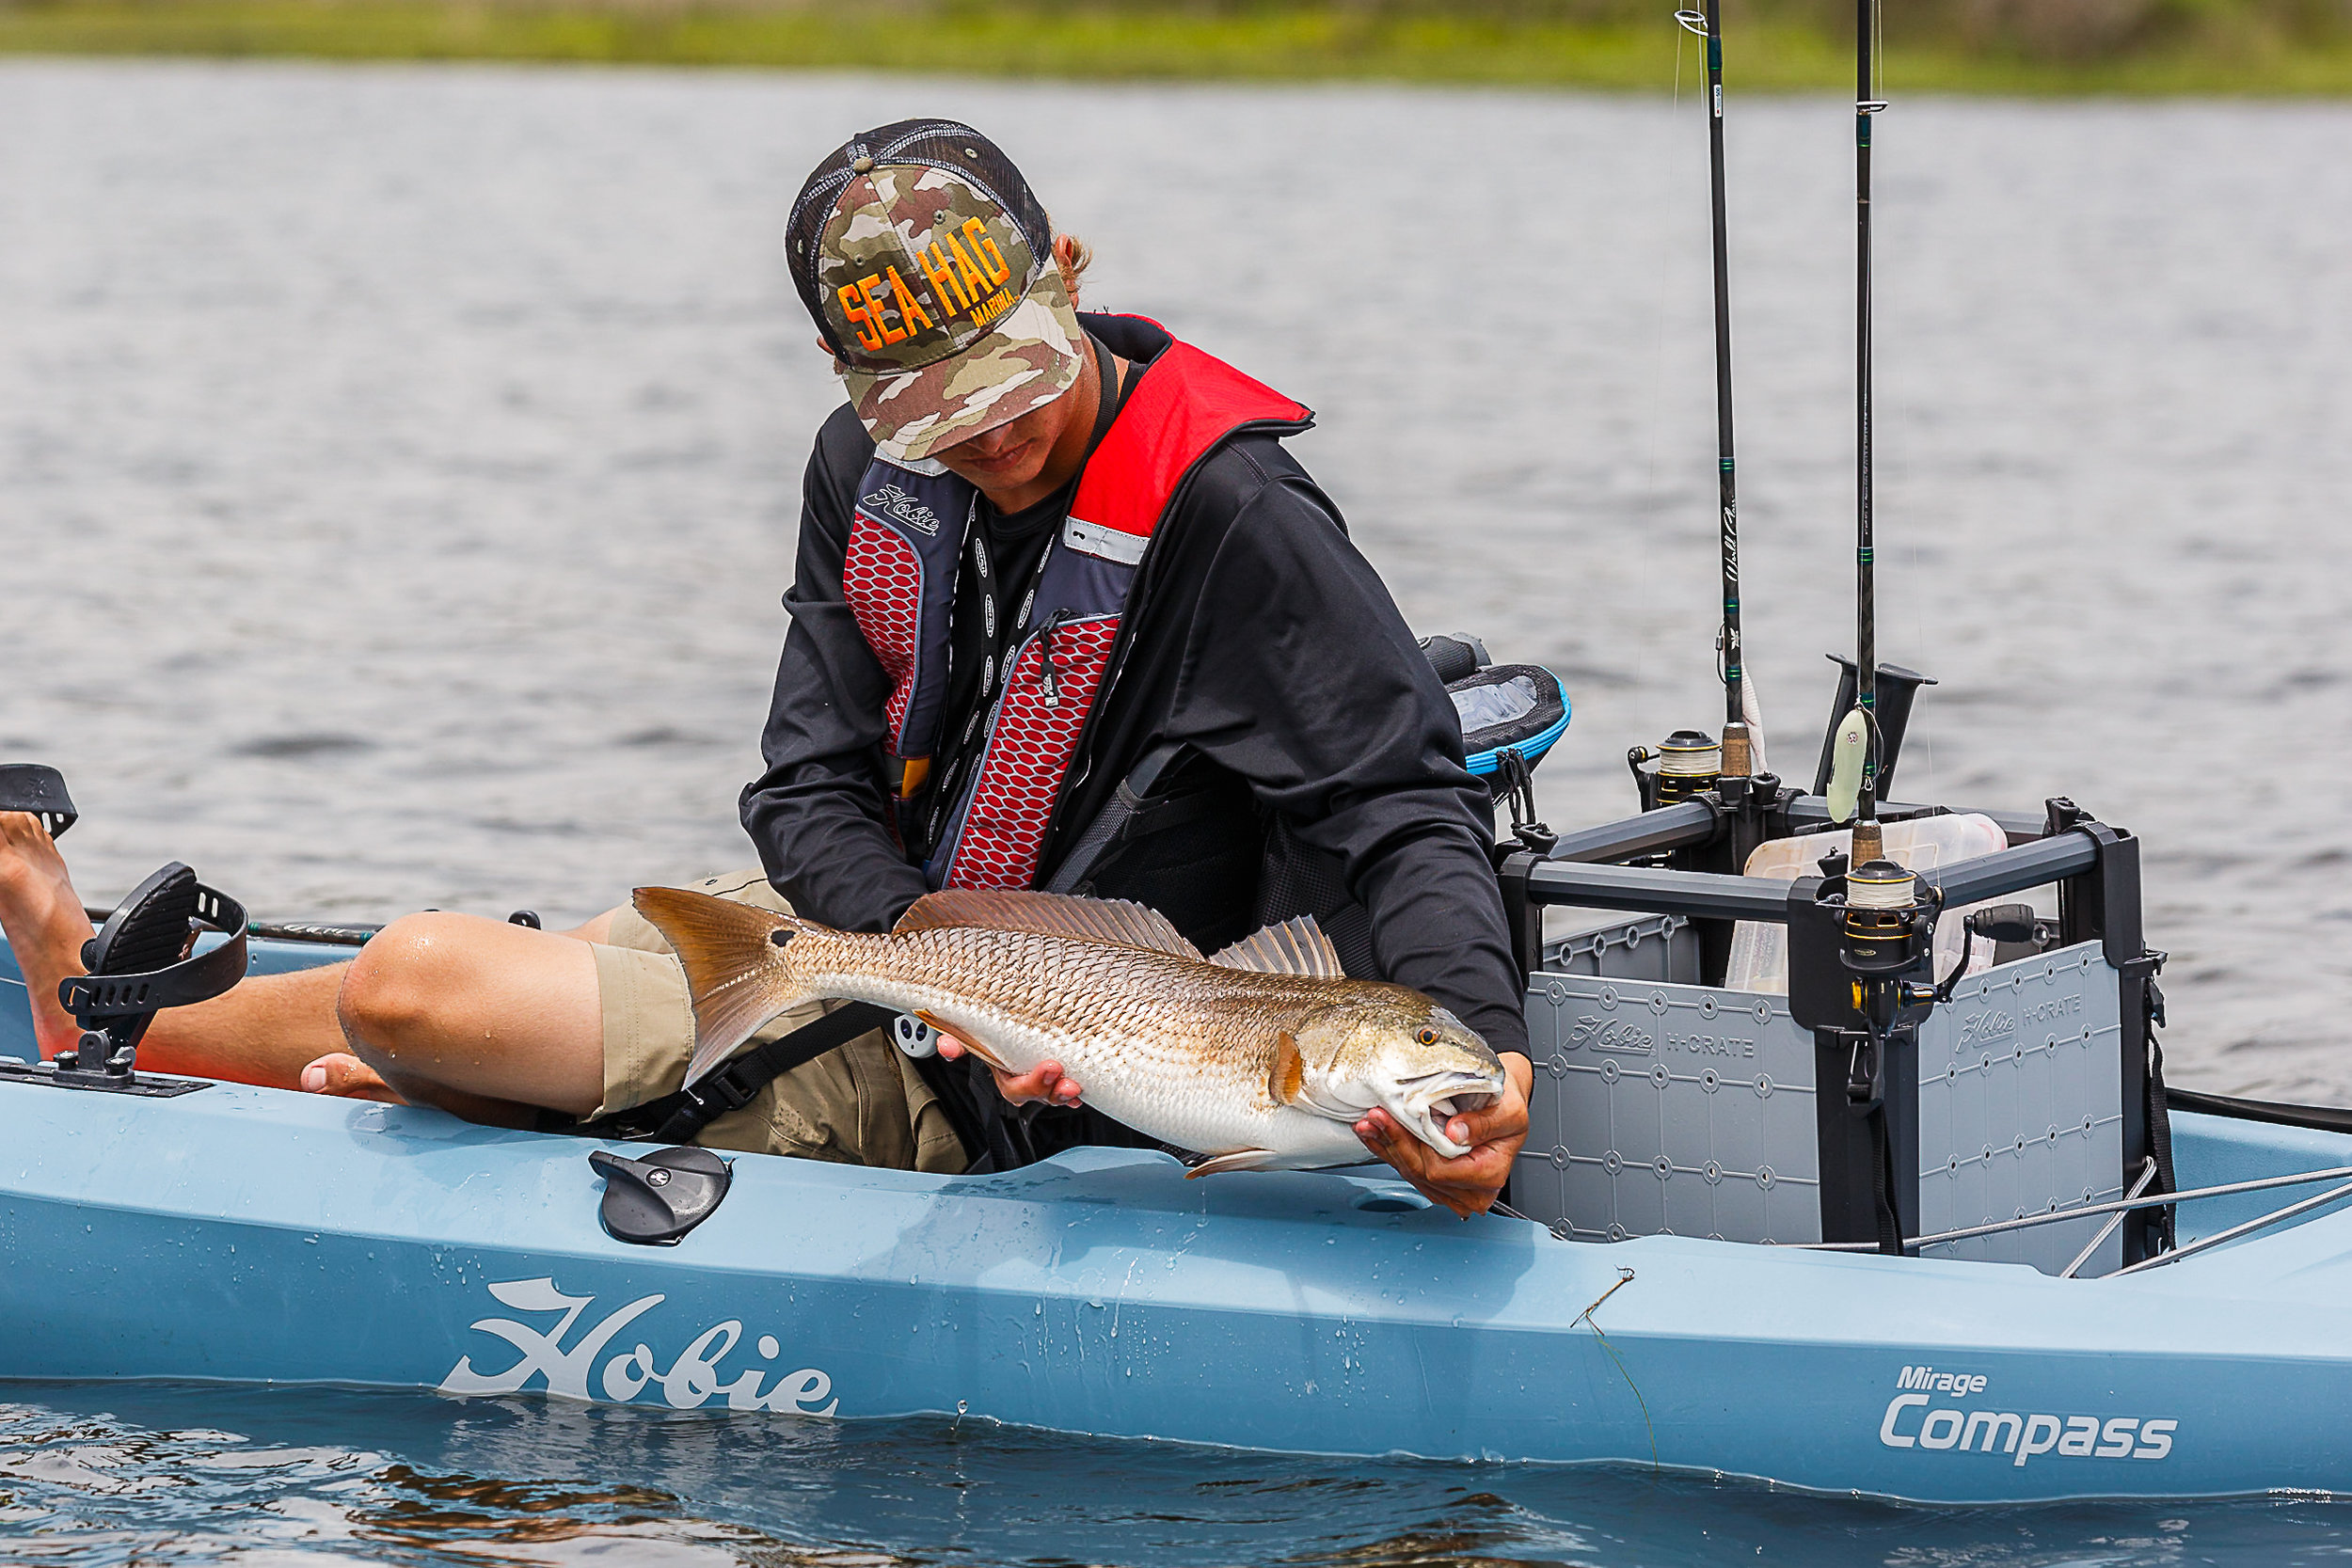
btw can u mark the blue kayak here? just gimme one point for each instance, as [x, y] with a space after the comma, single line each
[247, 1234]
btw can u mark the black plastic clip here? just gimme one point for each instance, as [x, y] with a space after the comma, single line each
[656, 1201]
[1864, 1088]
[1517, 777]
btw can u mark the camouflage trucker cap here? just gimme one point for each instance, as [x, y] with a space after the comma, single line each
[930, 268]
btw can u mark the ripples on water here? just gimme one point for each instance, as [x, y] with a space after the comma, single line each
[398, 472]
[401, 465]
[163, 1474]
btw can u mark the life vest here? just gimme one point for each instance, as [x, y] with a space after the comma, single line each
[899, 578]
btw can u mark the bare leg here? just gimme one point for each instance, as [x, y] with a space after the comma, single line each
[262, 1032]
[409, 996]
[490, 1021]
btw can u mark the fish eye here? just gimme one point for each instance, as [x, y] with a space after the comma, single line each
[1428, 1036]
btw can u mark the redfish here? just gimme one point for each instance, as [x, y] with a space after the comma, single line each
[1262, 1057]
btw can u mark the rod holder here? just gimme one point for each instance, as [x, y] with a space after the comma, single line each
[1896, 688]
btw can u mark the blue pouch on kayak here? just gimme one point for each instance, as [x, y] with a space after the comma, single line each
[1508, 708]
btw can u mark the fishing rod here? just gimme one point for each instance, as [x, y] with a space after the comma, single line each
[1869, 844]
[1739, 760]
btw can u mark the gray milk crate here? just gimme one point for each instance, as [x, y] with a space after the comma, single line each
[2021, 1109]
[1666, 1108]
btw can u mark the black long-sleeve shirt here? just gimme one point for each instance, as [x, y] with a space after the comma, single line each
[1257, 634]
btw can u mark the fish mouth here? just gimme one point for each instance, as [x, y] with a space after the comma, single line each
[1425, 1105]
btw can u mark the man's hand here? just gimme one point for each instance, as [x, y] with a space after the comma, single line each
[1045, 1081]
[1469, 1183]
[343, 1075]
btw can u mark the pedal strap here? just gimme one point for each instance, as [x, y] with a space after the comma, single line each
[142, 961]
[40, 789]
[676, 1118]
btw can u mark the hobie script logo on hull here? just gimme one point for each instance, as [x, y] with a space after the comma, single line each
[1949, 1428]
[692, 1380]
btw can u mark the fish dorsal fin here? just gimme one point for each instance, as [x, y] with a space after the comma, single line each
[1293, 947]
[1051, 913]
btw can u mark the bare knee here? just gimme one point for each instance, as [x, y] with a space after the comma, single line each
[405, 984]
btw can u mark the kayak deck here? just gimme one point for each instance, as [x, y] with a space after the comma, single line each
[274, 1237]
[248, 1234]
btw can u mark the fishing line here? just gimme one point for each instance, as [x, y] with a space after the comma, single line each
[1910, 413]
[1657, 423]
[1624, 1278]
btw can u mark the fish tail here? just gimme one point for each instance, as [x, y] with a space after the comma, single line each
[736, 973]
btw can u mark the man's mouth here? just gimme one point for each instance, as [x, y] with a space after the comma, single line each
[998, 463]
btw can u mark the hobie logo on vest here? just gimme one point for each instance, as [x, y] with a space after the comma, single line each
[2021, 1437]
[891, 501]
[692, 1379]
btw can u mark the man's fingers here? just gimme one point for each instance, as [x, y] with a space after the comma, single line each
[346, 1076]
[1466, 1184]
[1045, 1081]
[1505, 1118]
[1411, 1159]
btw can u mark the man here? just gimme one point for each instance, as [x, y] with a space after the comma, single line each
[1034, 553]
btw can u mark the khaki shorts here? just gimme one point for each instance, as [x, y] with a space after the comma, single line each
[860, 1104]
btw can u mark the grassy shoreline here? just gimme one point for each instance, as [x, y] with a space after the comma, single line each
[1304, 42]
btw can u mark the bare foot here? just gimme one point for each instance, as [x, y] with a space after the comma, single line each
[45, 926]
[346, 1076]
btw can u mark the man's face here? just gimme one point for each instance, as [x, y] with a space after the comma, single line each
[1010, 458]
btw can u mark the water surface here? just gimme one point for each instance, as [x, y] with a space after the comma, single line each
[399, 469]
[156, 1474]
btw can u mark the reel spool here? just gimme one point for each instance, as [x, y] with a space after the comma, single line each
[1689, 765]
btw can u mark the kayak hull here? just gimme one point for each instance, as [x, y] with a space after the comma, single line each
[245, 1234]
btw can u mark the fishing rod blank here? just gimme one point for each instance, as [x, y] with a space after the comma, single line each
[1737, 758]
[1861, 727]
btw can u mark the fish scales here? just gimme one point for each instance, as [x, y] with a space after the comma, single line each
[1113, 1016]
[1268, 1069]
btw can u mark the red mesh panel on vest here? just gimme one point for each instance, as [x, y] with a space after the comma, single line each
[881, 577]
[1028, 751]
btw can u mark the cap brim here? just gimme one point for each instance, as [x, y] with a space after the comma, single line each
[1031, 356]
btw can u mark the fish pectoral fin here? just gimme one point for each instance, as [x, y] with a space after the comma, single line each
[940, 1026]
[1239, 1159]
[1286, 1080]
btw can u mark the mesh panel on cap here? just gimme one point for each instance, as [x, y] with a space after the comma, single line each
[942, 144]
